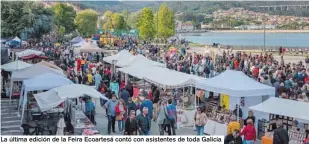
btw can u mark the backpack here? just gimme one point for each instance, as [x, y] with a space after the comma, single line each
[170, 114]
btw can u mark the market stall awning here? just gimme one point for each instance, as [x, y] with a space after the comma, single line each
[235, 84]
[45, 82]
[284, 107]
[162, 77]
[50, 64]
[33, 71]
[28, 52]
[33, 56]
[124, 54]
[136, 71]
[16, 39]
[54, 97]
[138, 60]
[89, 47]
[169, 79]
[16, 65]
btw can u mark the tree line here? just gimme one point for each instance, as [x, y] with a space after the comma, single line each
[28, 19]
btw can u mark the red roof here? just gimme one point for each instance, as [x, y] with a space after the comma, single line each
[33, 56]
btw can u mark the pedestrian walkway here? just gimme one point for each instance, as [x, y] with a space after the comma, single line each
[102, 121]
[10, 122]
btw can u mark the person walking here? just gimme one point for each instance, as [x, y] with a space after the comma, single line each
[172, 116]
[250, 116]
[131, 126]
[90, 110]
[111, 113]
[162, 122]
[155, 100]
[89, 78]
[249, 132]
[131, 105]
[147, 103]
[97, 80]
[281, 135]
[144, 122]
[233, 125]
[124, 94]
[233, 138]
[121, 114]
[200, 121]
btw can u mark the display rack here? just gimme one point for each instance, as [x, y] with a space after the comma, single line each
[286, 121]
[262, 128]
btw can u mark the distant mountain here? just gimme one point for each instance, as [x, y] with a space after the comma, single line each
[196, 7]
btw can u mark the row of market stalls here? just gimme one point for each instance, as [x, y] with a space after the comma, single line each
[228, 89]
[47, 91]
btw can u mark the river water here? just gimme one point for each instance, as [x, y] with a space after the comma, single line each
[251, 39]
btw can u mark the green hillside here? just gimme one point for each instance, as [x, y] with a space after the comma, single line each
[197, 7]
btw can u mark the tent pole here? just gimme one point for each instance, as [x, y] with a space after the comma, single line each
[11, 90]
[238, 109]
[20, 98]
[23, 110]
[195, 103]
[183, 94]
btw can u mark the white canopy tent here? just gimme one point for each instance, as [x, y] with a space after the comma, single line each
[236, 84]
[284, 107]
[16, 39]
[138, 60]
[41, 82]
[162, 77]
[28, 52]
[124, 54]
[54, 97]
[169, 79]
[136, 71]
[16, 65]
[88, 47]
[31, 72]
[50, 64]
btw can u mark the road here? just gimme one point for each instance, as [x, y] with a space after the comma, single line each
[101, 126]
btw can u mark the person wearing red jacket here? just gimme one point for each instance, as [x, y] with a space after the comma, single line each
[121, 112]
[249, 132]
[306, 141]
[78, 64]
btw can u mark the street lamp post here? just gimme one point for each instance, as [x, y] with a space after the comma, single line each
[264, 35]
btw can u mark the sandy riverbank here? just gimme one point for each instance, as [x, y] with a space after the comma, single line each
[261, 31]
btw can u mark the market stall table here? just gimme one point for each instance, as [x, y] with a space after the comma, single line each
[80, 122]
